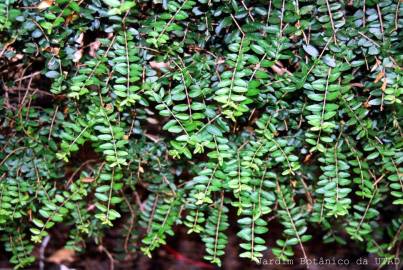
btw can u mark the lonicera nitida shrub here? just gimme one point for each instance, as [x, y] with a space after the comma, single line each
[155, 114]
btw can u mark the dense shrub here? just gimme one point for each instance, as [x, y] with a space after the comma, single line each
[150, 114]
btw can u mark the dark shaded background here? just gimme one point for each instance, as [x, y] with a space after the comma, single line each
[185, 252]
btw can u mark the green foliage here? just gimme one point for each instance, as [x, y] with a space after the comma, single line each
[215, 114]
[20, 248]
[160, 217]
[214, 234]
[233, 85]
[293, 219]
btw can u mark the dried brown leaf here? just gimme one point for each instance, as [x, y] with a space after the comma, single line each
[87, 179]
[44, 4]
[62, 255]
[80, 39]
[77, 56]
[94, 46]
[379, 76]
[159, 65]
